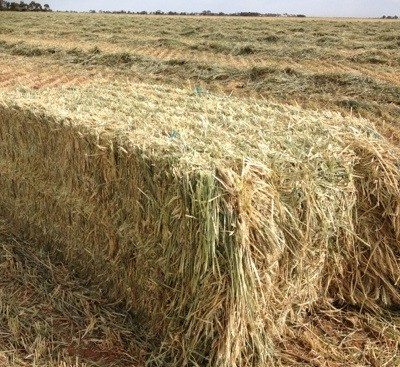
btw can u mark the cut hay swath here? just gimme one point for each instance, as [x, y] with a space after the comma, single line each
[221, 220]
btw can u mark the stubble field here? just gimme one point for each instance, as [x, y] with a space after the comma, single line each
[345, 65]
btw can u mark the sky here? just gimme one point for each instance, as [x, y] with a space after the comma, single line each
[334, 8]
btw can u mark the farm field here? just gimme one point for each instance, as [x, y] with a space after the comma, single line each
[349, 66]
[198, 191]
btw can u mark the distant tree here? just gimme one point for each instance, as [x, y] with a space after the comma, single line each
[14, 6]
[22, 6]
[35, 6]
[248, 14]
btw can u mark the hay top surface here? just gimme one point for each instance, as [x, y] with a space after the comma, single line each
[196, 129]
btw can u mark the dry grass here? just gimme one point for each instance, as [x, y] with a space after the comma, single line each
[50, 317]
[256, 210]
[341, 338]
[347, 66]
[244, 232]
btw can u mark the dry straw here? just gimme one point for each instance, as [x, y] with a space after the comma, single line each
[222, 220]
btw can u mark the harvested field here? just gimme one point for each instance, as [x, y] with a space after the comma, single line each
[229, 228]
[348, 66]
[49, 317]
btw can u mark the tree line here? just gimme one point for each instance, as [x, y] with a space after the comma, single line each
[22, 6]
[203, 13]
[34, 6]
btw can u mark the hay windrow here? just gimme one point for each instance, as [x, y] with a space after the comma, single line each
[223, 222]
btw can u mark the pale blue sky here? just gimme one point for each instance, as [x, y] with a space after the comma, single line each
[352, 8]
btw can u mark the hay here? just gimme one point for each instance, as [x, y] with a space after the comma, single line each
[49, 317]
[223, 221]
